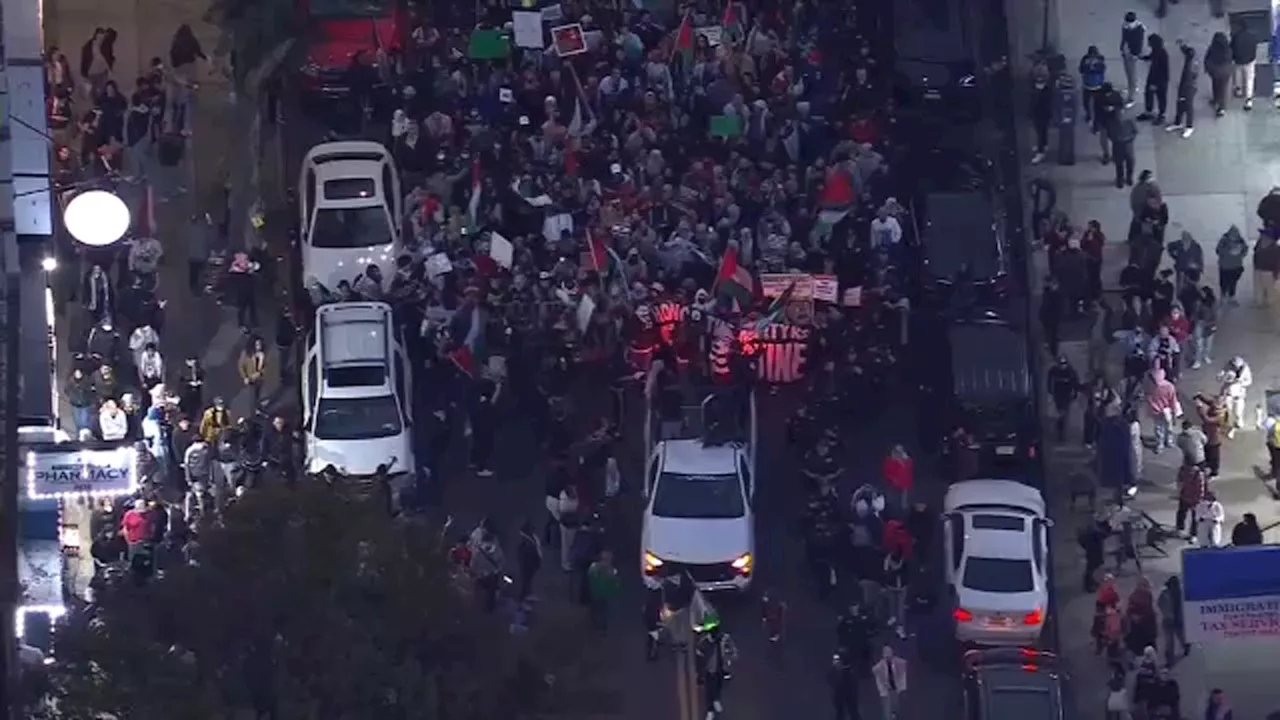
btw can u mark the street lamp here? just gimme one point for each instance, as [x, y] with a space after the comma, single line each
[97, 218]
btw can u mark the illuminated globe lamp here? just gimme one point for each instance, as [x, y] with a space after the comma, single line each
[97, 218]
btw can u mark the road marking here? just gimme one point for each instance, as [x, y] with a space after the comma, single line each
[224, 345]
[687, 684]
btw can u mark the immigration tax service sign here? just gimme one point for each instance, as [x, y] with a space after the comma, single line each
[93, 472]
[1231, 594]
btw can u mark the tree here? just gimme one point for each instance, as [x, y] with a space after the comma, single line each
[313, 604]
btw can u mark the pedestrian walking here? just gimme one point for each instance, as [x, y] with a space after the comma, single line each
[1162, 402]
[842, 677]
[529, 555]
[568, 517]
[1172, 621]
[890, 675]
[1093, 75]
[1218, 708]
[1184, 115]
[1219, 66]
[253, 366]
[1244, 54]
[1133, 42]
[1232, 250]
[1041, 110]
[603, 586]
[1121, 135]
[1064, 386]
[1266, 266]
[1210, 516]
[1156, 95]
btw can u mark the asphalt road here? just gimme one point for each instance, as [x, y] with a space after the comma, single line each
[766, 685]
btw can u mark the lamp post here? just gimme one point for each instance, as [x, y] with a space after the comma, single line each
[97, 218]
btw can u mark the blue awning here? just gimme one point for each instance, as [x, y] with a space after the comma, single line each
[1230, 573]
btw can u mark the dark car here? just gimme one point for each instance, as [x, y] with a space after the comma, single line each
[992, 392]
[935, 67]
[963, 247]
[1012, 684]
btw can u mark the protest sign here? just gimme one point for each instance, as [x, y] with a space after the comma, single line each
[799, 310]
[826, 288]
[439, 264]
[552, 13]
[527, 27]
[568, 40]
[712, 34]
[555, 225]
[501, 250]
[852, 297]
[488, 45]
[726, 126]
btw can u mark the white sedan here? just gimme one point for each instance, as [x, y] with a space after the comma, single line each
[996, 537]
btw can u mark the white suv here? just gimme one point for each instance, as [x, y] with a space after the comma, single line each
[350, 212]
[357, 395]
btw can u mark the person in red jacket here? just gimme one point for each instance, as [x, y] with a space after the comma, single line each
[136, 527]
[899, 473]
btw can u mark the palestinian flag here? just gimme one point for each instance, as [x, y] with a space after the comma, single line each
[776, 308]
[734, 281]
[470, 356]
[730, 25]
[684, 46]
[837, 196]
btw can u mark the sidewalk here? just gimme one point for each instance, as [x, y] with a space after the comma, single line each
[1210, 181]
[196, 327]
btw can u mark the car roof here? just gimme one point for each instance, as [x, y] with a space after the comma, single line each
[346, 159]
[692, 457]
[355, 333]
[997, 544]
[992, 496]
[961, 230]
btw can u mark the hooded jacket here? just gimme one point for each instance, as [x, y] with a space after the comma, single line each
[1232, 249]
[1093, 69]
[1133, 38]
[1244, 46]
[1217, 59]
[1158, 72]
[1190, 77]
[1163, 395]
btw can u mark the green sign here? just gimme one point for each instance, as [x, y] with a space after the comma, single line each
[488, 45]
[726, 126]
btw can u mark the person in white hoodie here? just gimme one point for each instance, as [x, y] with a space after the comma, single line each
[1210, 515]
[886, 231]
[1236, 378]
[890, 675]
[150, 367]
[113, 423]
[139, 339]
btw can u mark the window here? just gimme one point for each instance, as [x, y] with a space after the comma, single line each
[310, 189]
[401, 391]
[349, 189]
[350, 228]
[313, 387]
[356, 376]
[956, 524]
[998, 575]
[699, 496]
[653, 477]
[999, 522]
[1020, 701]
[357, 418]
[350, 8]
[1037, 545]
[746, 476]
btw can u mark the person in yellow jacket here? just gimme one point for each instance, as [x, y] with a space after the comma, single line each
[214, 421]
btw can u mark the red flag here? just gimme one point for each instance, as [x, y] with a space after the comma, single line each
[599, 254]
[735, 281]
[685, 44]
[464, 360]
[837, 192]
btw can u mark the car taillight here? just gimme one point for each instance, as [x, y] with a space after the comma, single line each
[1030, 668]
[963, 615]
[1035, 617]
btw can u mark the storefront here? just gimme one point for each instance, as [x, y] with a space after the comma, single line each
[64, 482]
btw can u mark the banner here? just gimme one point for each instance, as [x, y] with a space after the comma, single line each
[826, 288]
[781, 351]
[52, 475]
[799, 310]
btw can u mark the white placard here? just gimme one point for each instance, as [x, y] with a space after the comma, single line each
[556, 224]
[711, 33]
[552, 13]
[586, 308]
[91, 472]
[826, 288]
[528, 29]
[501, 250]
[439, 264]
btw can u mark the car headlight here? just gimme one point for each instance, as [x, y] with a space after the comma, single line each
[743, 563]
[652, 563]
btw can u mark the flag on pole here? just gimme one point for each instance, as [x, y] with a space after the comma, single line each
[776, 308]
[730, 25]
[576, 122]
[471, 355]
[473, 207]
[734, 281]
[684, 46]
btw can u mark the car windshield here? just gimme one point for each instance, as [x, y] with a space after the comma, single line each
[350, 228]
[998, 575]
[357, 418]
[698, 496]
[1018, 701]
[350, 8]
